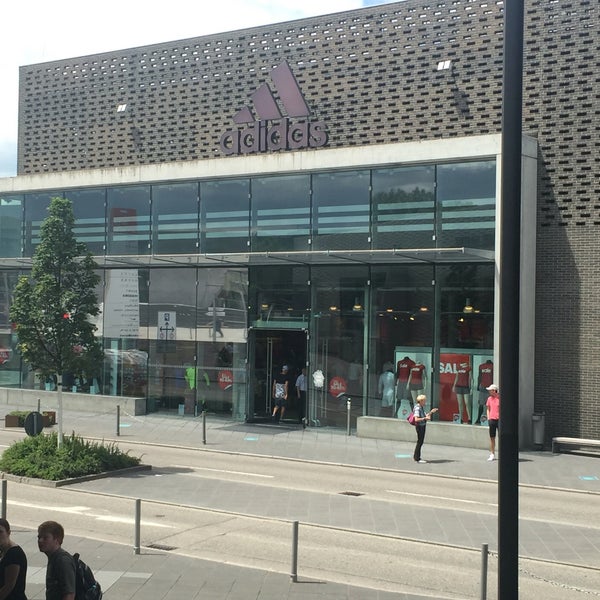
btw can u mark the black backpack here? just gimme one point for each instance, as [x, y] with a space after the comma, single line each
[86, 586]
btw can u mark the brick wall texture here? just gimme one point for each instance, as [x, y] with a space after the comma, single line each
[372, 75]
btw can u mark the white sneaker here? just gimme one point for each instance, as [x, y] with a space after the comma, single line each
[422, 462]
[491, 457]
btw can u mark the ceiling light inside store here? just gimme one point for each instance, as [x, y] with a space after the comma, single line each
[357, 305]
[468, 307]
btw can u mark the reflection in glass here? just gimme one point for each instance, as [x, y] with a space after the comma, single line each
[128, 210]
[175, 218]
[36, 210]
[11, 225]
[280, 213]
[341, 204]
[337, 341]
[279, 296]
[90, 218]
[224, 216]
[402, 315]
[403, 207]
[466, 197]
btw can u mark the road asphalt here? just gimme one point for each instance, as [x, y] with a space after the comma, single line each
[156, 574]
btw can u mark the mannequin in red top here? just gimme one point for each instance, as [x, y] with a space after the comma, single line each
[416, 380]
[462, 389]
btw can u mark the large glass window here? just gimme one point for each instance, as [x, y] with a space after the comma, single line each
[279, 297]
[280, 213]
[402, 337]
[337, 342]
[36, 210]
[466, 317]
[90, 218]
[404, 207]
[224, 216]
[125, 328]
[11, 225]
[175, 218]
[341, 210]
[128, 220]
[466, 201]
[9, 358]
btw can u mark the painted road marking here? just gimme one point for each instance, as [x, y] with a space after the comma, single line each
[403, 455]
[588, 478]
[85, 509]
[443, 498]
[223, 471]
[251, 438]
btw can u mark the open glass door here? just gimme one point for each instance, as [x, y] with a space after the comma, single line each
[271, 349]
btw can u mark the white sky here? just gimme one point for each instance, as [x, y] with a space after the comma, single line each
[41, 30]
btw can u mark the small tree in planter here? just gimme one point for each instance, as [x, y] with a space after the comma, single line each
[51, 309]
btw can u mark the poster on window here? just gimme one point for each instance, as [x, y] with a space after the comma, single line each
[455, 368]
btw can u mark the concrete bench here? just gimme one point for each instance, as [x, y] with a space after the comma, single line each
[577, 443]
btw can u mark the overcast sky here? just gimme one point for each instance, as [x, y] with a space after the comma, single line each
[38, 31]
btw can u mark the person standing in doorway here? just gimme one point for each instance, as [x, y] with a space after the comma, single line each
[301, 388]
[493, 417]
[13, 566]
[280, 393]
[60, 572]
[421, 418]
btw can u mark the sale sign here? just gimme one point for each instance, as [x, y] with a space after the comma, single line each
[449, 366]
[225, 379]
[337, 386]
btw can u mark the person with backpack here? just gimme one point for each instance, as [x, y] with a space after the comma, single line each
[13, 566]
[60, 572]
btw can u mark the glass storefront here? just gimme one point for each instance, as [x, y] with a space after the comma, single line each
[197, 328]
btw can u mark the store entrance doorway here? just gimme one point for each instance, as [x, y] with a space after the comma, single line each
[270, 349]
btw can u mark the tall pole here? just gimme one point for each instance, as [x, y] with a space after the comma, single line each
[508, 470]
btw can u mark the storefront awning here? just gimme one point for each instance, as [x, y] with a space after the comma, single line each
[317, 257]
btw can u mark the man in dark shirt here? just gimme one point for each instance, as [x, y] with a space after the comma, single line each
[60, 572]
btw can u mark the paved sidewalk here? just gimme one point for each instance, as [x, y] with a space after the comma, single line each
[570, 471]
[161, 575]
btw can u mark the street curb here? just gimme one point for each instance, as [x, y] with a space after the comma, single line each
[64, 482]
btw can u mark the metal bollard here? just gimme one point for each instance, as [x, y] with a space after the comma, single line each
[348, 409]
[118, 419]
[4, 496]
[204, 427]
[484, 569]
[138, 519]
[39, 405]
[294, 572]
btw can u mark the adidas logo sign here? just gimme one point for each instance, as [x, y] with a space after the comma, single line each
[285, 134]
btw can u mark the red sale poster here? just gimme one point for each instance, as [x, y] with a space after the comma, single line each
[449, 364]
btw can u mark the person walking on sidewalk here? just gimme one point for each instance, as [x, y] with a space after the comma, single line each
[13, 566]
[60, 572]
[493, 417]
[421, 418]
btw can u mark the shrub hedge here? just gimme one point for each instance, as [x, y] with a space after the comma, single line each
[40, 457]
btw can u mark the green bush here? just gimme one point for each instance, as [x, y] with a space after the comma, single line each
[40, 457]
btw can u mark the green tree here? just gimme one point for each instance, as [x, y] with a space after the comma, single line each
[52, 307]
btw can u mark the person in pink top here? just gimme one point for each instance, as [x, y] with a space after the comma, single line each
[493, 417]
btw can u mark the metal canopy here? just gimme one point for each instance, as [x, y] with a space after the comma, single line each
[315, 257]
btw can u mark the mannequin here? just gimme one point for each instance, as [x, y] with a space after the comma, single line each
[462, 389]
[416, 380]
[403, 368]
[484, 380]
[386, 389]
